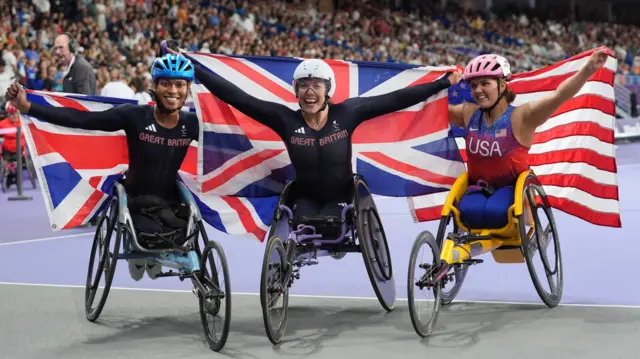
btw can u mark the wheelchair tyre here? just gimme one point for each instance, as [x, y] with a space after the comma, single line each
[375, 252]
[418, 280]
[211, 273]
[459, 270]
[532, 244]
[107, 260]
[32, 172]
[273, 288]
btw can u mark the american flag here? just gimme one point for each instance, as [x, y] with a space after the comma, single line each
[244, 165]
[573, 153]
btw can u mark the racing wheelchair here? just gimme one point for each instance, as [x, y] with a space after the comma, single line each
[190, 260]
[295, 242]
[453, 251]
[9, 170]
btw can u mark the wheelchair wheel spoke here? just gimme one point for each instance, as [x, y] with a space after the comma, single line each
[424, 291]
[215, 301]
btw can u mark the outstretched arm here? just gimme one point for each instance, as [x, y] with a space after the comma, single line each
[366, 108]
[535, 113]
[109, 120]
[265, 112]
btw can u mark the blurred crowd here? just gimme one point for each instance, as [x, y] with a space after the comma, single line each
[120, 38]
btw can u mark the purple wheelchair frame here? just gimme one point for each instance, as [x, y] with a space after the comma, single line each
[305, 234]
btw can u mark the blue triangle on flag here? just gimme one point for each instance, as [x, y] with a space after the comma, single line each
[370, 76]
[378, 181]
[446, 148]
[61, 180]
[282, 68]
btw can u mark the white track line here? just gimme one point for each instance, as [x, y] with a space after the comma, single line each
[327, 296]
[47, 239]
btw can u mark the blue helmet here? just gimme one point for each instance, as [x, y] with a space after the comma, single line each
[172, 66]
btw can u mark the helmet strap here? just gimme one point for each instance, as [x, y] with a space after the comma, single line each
[500, 96]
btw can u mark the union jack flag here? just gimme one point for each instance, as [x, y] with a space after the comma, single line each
[75, 167]
[244, 165]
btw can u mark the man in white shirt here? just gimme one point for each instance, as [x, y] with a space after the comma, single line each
[117, 87]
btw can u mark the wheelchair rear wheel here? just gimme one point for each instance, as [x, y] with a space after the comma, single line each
[214, 276]
[424, 265]
[274, 289]
[539, 232]
[107, 259]
[375, 248]
[453, 280]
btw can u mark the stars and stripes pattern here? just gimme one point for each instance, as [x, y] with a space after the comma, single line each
[573, 153]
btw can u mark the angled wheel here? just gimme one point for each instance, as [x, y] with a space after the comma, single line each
[540, 243]
[423, 291]
[103, 260]
[215, 303]
[274, 290]
[457, 273]
[374, 247]
[32, 171]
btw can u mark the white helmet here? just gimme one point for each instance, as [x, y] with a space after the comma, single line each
[318, 69]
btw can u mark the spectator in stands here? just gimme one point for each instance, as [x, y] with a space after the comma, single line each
[117, 86]
[79, 74]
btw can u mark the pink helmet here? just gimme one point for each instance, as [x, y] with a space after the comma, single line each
[487, 66]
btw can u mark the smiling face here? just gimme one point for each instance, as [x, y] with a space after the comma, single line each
[485, 91]
[312, 94]
[172, 93]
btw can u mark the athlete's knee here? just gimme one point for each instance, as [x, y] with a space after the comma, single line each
[472, 208]
[497, 207]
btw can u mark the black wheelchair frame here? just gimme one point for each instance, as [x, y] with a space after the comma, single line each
[294, 243]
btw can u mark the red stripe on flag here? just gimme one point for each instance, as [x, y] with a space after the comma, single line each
[190, 163]
[67, 102]
[404, 125]
[408, 169]
[245, 217]
[561, 63]
[582, 183]
[574, 155]
[551, 83]
[588, 101]
[586, 213]
[576, 129]
[86, 209]
[253, 129]
[428, 214]
[343, 80]
[106, 151]
[258, 78]
[215, 111]
[427, 78]
[95, 181]
[238, 168]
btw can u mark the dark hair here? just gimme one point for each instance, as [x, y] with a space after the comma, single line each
[510, 96]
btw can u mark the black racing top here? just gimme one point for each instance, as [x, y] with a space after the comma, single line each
[155, 152]
[321, 158]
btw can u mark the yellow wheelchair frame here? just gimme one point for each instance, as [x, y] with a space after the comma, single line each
[513, 243]
[504, 243]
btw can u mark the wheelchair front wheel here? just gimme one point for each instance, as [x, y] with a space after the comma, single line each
[106, 259]
[274, 289]
[537, 237]
[456, 279]
[424, 265]
[214, 276]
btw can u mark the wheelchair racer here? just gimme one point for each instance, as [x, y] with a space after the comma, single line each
[318, 135]
[158, 137]
[10, 144]
[498, 135]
